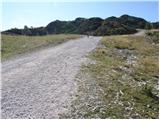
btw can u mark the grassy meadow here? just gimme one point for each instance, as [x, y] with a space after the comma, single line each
[132, 66]
[17, 44]
[124, 77]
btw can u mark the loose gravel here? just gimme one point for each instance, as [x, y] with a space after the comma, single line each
[42, 84]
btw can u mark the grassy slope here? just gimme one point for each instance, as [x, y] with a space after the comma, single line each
[132, 67]
[123, 81]
[12, 45]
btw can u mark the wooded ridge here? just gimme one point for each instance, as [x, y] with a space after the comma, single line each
[96, 26]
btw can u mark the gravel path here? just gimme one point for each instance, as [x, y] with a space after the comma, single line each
[141, 32]
[41, 84]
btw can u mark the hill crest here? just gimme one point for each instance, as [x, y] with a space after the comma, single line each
[97, 26]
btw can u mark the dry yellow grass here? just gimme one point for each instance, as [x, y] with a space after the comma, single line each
[13, 45]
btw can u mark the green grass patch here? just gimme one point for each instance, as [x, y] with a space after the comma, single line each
[126, 94]
[118, 42]
[147, 67]
[153, 36]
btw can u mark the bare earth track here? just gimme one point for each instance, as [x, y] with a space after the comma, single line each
[41, 84]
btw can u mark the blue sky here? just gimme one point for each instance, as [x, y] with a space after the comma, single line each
[16, 14]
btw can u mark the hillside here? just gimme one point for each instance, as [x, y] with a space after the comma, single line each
[124, 24]
[121, 81]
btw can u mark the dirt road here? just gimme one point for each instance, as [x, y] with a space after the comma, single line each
[141, 32]
[41, 84]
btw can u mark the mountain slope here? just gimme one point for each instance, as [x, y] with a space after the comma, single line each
[125, 24]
